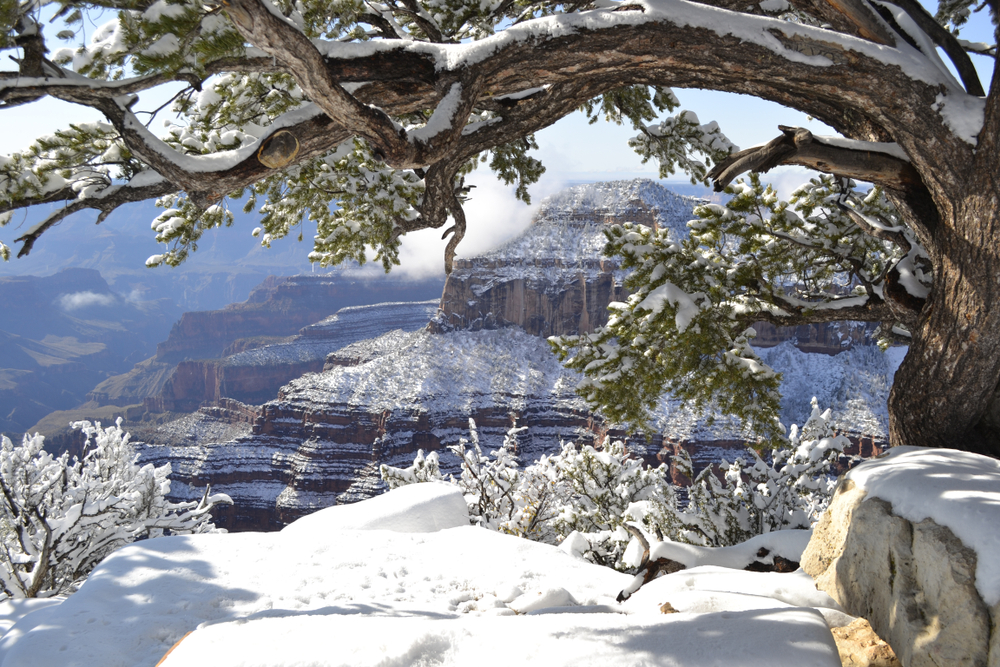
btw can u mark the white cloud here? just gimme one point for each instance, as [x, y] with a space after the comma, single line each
[78, 300]
[493, 215]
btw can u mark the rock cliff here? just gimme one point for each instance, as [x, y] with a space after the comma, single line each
[255, 375]
[552, 279]
[378, 400]
[200, 360]
[279, 307]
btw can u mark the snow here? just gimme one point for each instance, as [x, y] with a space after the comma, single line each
[794, 588]
[565, 237]
[964, 114]
[892, 149]
[336, 588]
[956, 489]
[443, 118]
[686, 304]
[786, 543]
[416, 508]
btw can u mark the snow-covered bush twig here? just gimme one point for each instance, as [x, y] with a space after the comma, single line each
[425, 468]
[596, 499]
[59, 517]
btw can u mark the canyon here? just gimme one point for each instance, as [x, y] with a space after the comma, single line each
[384, 395]
[207, 357]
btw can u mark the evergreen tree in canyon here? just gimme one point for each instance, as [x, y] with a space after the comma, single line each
[383, 106]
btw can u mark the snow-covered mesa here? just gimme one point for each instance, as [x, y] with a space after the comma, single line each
[403, 579]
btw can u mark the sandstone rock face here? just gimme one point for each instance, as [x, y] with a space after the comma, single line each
[915, 582]
[321, 442]
[209, 354]
[553, 280]
[378, 401]
[280, 307]
[255, 375]
[859, 646]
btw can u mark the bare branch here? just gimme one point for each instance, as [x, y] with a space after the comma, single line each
[107, 202]
[798, 146]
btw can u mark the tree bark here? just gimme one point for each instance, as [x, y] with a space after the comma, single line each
[945, 391]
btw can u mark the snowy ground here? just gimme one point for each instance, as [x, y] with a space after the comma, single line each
[402, 579]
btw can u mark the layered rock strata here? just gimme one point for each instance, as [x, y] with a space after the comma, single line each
[553, 280]
[321, 441]
[254, 375]
[274, 313]
[379, 400]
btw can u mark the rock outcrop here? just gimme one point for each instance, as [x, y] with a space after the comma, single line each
[930, 595]
[279, 307]
[201, 360]
[377, 401]
[320, 442]
[553, 280]
[859, 646]
[256, 374]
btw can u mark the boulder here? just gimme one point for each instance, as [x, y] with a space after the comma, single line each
[914, 581]
[859, 646]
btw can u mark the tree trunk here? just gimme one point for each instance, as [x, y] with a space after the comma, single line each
[944, 392]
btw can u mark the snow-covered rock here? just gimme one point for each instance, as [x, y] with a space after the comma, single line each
[383, 397]
[910, 543]
[321, 442]
[553, 279]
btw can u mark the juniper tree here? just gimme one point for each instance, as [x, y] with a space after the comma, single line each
[385, 105]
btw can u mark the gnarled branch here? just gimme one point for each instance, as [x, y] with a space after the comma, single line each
[798, 146]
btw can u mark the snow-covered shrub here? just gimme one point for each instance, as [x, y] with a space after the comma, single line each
[61, 517]
[596, 497]
[596, 487]
[757, 497]
[489, 485]
[425, 468]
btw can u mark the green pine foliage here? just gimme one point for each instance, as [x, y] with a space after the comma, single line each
[684, 331]
[348, 202]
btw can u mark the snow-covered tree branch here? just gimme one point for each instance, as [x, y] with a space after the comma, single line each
[383, 107]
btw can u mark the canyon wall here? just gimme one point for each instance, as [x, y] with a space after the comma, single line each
[389, 393]
[208, 355]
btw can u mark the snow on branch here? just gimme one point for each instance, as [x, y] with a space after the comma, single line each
[884, 164]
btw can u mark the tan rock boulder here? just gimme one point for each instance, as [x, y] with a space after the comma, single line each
[914, 582]
[859, 646]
